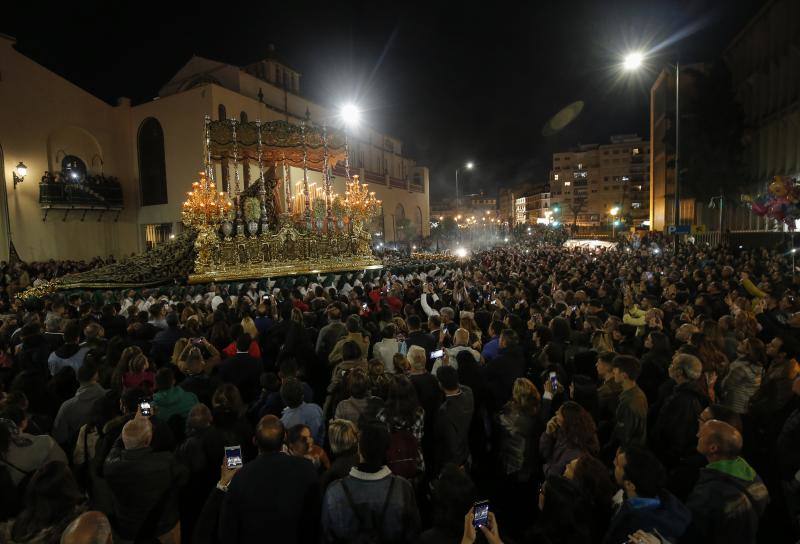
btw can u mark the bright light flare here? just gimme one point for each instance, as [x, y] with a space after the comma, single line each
[633, 61]
[470, 165]
[350, 115]
[461, 253]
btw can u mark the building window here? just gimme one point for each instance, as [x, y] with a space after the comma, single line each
[243, 117]
[222, 115]
[152, 163]
[580, 166]
[636, 205]
[555, 177]
[567, 183]
[157, 234]
[635, 151]
[625, 178]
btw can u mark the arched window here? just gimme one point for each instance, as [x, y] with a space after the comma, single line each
[152, 163]
[73, 169]
[419, 221]
[243, 117]
[221, 113]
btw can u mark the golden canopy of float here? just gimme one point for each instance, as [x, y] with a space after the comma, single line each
[273, 225]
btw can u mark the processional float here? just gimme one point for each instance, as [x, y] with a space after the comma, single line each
[273, 226]
[276, 226]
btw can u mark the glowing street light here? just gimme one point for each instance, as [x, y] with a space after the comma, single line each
[350, 114]
[469, 166]
[633, 61]
[615, 211]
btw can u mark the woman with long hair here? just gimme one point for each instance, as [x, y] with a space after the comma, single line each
[569, 434]
[467, 322]
[123, 366]
[520, 426]
[594, 480]
[715, 364]
[655, 362]
[562, 517]
[228, 411]
[402, 413]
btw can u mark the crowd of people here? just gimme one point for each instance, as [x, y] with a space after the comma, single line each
[528, 393]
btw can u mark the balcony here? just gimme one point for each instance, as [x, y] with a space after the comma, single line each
[91, 194]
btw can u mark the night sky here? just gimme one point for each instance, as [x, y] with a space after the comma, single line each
[455, 81]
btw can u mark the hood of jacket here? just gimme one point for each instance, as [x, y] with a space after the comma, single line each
[669, 515]
[737, 468]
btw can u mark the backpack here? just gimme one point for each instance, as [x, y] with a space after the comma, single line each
[402, 454]
[372, 532]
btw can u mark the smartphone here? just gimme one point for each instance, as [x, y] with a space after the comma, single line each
[364, 306]
[480, 513]
[437, 354]
[145, 409]
[233, 456]
[198, 341]
[554, 381]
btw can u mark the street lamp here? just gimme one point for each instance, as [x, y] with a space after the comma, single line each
[632, 62]
[19, 173]
[614, 212]
[469, 166]
[350, 114]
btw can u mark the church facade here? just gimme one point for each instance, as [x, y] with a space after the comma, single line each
[103, 179]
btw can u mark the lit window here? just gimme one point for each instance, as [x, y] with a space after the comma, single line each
[567, 183]
[580, 166]
[625, 178]
[636, 205]
[555, 177]
[635, 150]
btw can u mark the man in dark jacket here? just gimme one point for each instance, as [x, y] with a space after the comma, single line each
[631, 417]
[418, 338]
[330, 333]
[504, 369]
[370, 501]
[647, 504]
[242, 370]
[144, 484]
[453, 419]
[675, 430]
[729, 498]
[275, 496]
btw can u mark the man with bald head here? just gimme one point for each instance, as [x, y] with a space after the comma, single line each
[275, 497]
[144, 485]
[89, 528]
[729, 497]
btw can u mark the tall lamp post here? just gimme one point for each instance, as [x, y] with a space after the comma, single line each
[469, 166]
[614, 212]
[633, 62]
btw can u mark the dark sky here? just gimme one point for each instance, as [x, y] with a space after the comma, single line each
[455, 81]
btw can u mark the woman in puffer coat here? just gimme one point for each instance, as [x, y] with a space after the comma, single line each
[744, 375]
